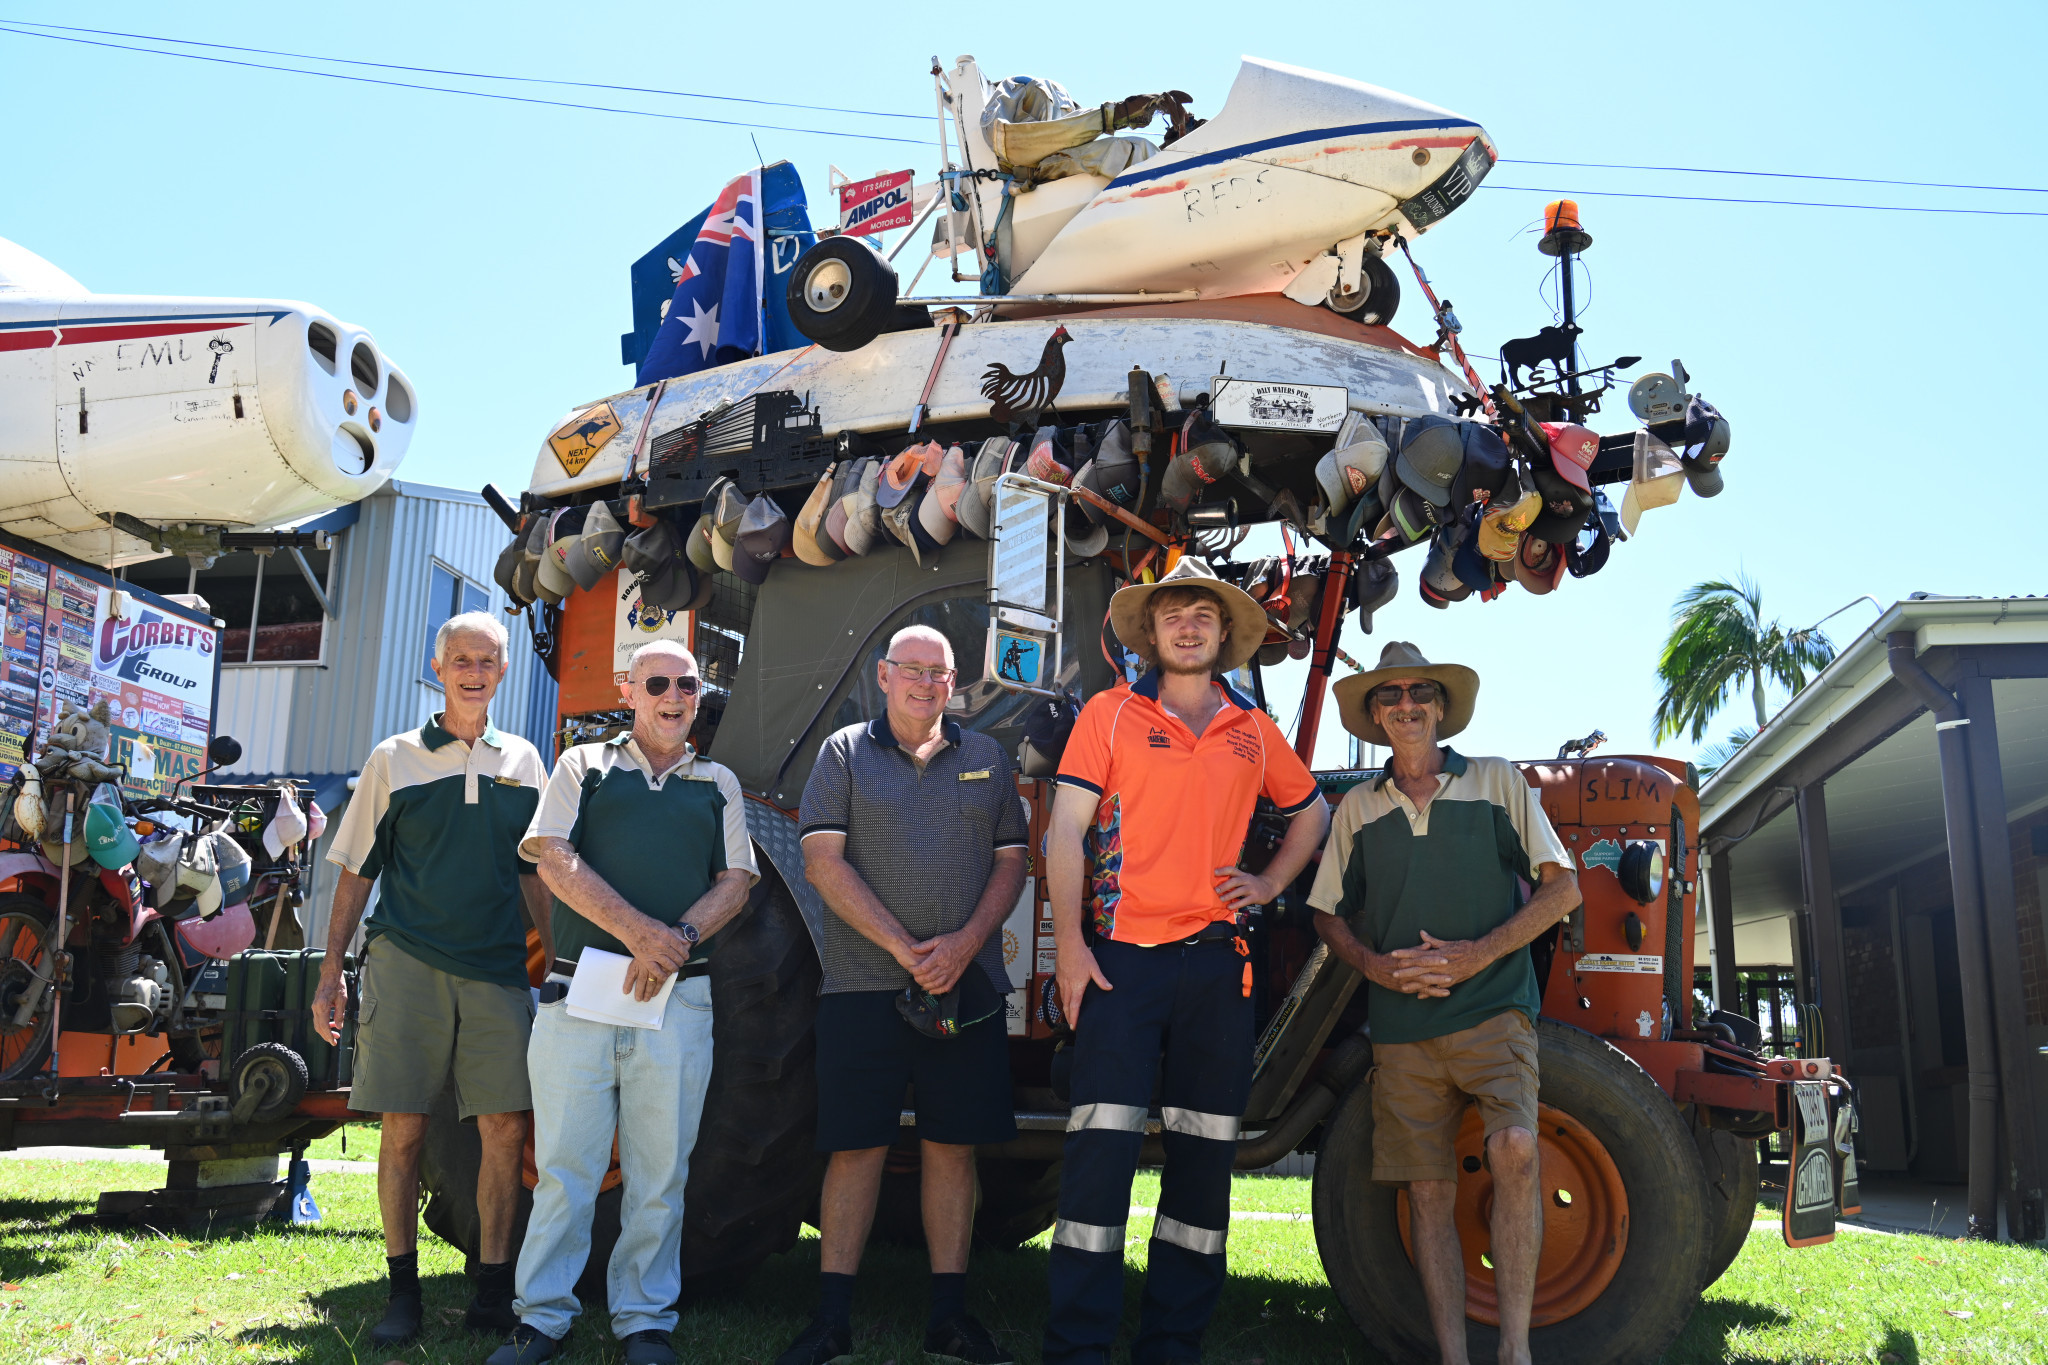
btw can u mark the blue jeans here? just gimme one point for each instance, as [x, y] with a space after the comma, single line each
[580, 1070]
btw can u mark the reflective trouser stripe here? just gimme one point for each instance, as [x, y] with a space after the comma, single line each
[1205, 1241]
[1121, 1118]
[1195, 1123]
[1089, 1236]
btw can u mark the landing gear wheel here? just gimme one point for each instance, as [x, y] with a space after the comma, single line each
[755, 1172]
[1618, 1163]
[1729, 1165]
[274, 1070]
[1375, 300]
[842, 294]
[24, 935]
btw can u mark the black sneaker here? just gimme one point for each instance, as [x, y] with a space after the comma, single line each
[822, 1343]
[964, 1341]
[528, 1346]
[497, 1317]
[648, 1347]
[400, 1323]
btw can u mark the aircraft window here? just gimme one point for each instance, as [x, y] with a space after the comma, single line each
[272, 616]
[398, 402]
[320, 341]
[362, 363]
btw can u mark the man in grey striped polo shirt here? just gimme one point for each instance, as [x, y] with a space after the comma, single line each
[915, 835]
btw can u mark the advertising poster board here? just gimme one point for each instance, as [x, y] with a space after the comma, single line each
[153, 665]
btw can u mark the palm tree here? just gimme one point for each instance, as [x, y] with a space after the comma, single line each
[1718, 640]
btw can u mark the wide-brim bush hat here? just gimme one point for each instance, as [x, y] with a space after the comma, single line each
[1400, 659]
[1244, 616]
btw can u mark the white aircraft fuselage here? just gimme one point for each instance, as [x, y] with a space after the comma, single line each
[123, 412]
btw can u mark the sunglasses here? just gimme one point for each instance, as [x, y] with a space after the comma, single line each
[657, 684]
[1422, 693]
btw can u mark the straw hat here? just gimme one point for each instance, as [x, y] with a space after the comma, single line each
[1244, 616]
[1403, 660]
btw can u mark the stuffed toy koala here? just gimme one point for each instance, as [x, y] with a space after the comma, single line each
[77, 747]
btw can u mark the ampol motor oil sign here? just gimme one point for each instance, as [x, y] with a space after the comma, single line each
[876, 204]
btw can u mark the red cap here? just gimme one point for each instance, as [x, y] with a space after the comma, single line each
[1572, 449]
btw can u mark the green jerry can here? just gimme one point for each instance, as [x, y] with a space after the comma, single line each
[270, 1000]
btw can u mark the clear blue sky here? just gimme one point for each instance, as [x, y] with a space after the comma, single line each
[1881, 370]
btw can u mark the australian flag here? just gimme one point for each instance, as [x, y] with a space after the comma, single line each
[714, 317]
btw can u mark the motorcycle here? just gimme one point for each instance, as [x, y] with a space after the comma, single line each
[86, 948]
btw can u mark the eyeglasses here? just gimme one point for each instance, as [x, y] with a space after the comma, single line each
[919, 672]
[657, 684]
[1422, 693]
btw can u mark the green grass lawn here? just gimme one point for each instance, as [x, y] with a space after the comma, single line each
[87, 1296]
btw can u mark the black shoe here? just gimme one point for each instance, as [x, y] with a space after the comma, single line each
[648, 1347]
[400, 1323]
[497, 1317]
[822, 1343]
[528, 1346]
[965, 1342]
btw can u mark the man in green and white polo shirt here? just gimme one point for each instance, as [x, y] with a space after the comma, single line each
[645, 846]
[435, 822]
[1422, 889]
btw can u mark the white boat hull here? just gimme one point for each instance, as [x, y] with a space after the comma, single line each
[875, 388]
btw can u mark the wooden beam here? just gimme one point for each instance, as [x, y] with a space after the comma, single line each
[1721, 930]
[1824, 921]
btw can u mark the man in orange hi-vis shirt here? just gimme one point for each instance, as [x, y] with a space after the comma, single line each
[1156, 792]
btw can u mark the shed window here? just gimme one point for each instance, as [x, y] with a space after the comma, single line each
[448, 594]
[271, 612]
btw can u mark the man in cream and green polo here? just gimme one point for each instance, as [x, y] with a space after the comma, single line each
[645, 846]
[435, 822]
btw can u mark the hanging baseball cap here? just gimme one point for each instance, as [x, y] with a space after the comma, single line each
[1409, 519]
[903, 475]
[287, 826]
[1656, 481]
[232, 861]
[1432, 449]
[505, 572]
[1208, 452]
[1374, 585]
[1048, 725]
[107, 837]
[1565, 508]
[1572, 451]
[1047, 458]
[1486, 468]
[981, 482]
[596, 552]
[951, 483]
[198, 874]
[731, 505]
[898, 520]
[1348, 472]
[1706, 431]
[813, 545]
[1440, 584]
[698, 546]
[1703, 478]
[864, 532]
[1501, 527]
[764, 533]
[934, 515]
[1112, 474]
[551, 576]
[1538, 564]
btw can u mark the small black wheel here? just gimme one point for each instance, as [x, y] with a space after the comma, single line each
[842, 294]
[277, 1072]
[1377, 297]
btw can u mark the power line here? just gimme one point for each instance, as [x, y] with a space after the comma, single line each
[1775, 175]
[1783, 203]
[470, 75]
[452, 90]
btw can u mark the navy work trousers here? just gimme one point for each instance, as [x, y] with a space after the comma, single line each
[1182, 1004]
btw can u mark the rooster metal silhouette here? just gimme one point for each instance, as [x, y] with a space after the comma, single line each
[1014, 396]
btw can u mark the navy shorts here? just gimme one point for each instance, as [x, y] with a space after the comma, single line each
[868, 1057]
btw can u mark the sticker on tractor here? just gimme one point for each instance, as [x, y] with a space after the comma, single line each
[1018, 657]
[577, 441]
[1646, 964]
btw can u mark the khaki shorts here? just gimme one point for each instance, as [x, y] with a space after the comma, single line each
[1420, 1090]
[416, 1025]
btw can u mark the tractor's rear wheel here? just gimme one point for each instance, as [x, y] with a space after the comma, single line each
[1623, 1202]
[1729, 1165]
[754, 1172]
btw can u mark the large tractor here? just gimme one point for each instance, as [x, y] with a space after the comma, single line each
[1651, 1115]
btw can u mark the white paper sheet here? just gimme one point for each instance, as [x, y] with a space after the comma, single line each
[597, 993]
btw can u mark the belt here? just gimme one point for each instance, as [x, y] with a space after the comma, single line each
[1218, 932]
[557, 985]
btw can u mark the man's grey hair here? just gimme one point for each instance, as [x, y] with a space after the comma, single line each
[654, 648]
[925, 633]
[473, 623]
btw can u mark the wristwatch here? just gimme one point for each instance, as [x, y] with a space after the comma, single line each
[688, 931]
